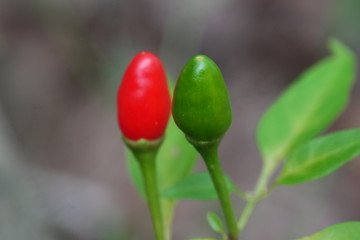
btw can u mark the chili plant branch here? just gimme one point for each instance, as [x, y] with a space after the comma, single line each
[261, 191]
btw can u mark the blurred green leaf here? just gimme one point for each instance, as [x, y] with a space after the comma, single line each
[341, 231]
[196, 186]
[215, 222]
[320, 157]
[308, 106]
[176, 157]
[133, 169]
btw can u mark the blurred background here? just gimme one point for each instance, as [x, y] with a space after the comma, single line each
[62, 167]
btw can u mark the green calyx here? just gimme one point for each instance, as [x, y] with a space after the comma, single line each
[143, 145]
[201, 105]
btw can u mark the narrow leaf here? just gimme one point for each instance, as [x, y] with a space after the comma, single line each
[308, 106]
[341, 231]
[320, 157]
[197, 186]
[215, 222]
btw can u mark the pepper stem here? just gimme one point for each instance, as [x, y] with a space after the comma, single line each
[209, 152]
[148, 170]
[145, 153]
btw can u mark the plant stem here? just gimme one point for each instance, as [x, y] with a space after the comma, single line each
[244, 195]
[148, 169]
[259, 193]
[211, 158]
[167, 216]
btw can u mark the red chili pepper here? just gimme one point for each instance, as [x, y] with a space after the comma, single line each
[143, 99]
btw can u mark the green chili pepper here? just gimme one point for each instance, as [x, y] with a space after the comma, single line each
[201, 106]
[201, 109]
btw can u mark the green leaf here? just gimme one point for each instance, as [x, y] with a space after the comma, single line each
[133, 169]
[215, 222]
[320, 157]
[176, 157]
[341, 231]
[197, 186]
[308, 106]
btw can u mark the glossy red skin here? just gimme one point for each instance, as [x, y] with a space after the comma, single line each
[143, 99]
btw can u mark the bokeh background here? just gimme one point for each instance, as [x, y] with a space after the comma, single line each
[62, 167]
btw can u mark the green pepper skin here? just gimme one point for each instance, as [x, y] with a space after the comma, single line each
[201, 105]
